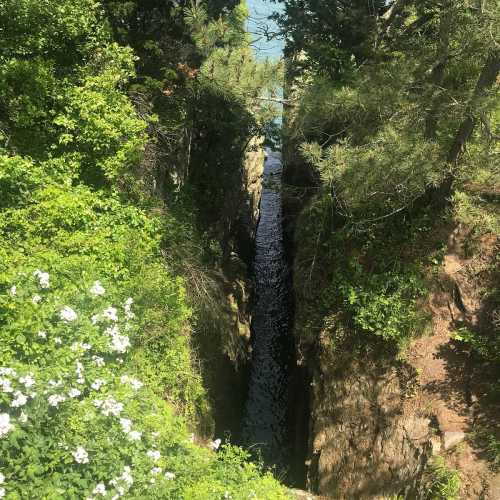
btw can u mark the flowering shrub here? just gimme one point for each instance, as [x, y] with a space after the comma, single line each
[76, 422]
[97, 381]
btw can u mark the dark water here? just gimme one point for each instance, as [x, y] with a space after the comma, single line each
[265, 423]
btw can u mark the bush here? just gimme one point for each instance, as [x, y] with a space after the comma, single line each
[98, 388]
[75, 421]
[486, 347]
[384, 304]
[444, 482]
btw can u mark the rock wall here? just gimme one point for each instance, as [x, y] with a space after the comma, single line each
[238, 261]
[224, 339]
[365, 439]
[376, 419]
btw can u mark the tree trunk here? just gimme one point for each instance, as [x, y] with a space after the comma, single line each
[438, 71]
[486, 80]
[388, 18]
[391, 14]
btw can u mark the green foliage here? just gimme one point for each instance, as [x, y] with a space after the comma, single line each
[331, 34]
[444, 482]
[359, 281]
[489, 441]
[77, 414]
[379, 178]
[385, 304]
[228, 109]
[477, 212]
[64, 30]
[380, 93]
[380, 131]
[99, 126]
[488, 347]
[98, 385]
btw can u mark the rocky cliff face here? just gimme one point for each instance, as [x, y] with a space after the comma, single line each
[377, 420]
[366, 440]
[236, 267]
[224, 337]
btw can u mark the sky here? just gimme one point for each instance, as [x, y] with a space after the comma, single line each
[259, 10]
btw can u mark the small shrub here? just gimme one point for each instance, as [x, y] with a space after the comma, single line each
[444, 482]
[384, 304]
[491, 444]
[75, 419]
[488, 348]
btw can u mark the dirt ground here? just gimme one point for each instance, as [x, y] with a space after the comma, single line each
[451, 381]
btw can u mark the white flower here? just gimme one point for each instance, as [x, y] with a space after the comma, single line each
[126, 424]
[67, 314]
[53, 383]
[23, 418]
[8, 371]
[74, 393]
[134, 383]
[5, 425]
[112, 330]
[156, 470]
[94, 319]
[80, 455]
[97, 289]
[75, 346]
[155, 435]
[43, 278]
[215, 444]
[2, 478]
[13, 290]
[79, 367]
[119, 343]
[36, 299]
[98, 361]
[127, 476]
[2, 492]
[111, 407]
[58, 340]
[5, 385]
[42, 335]
[154, 455]
[169, 476]
[97, 384]
[111, 313]
[55, 399]
[20, 400]
[100, 489]
[28, 381]
[134, 435]
[127, 308]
